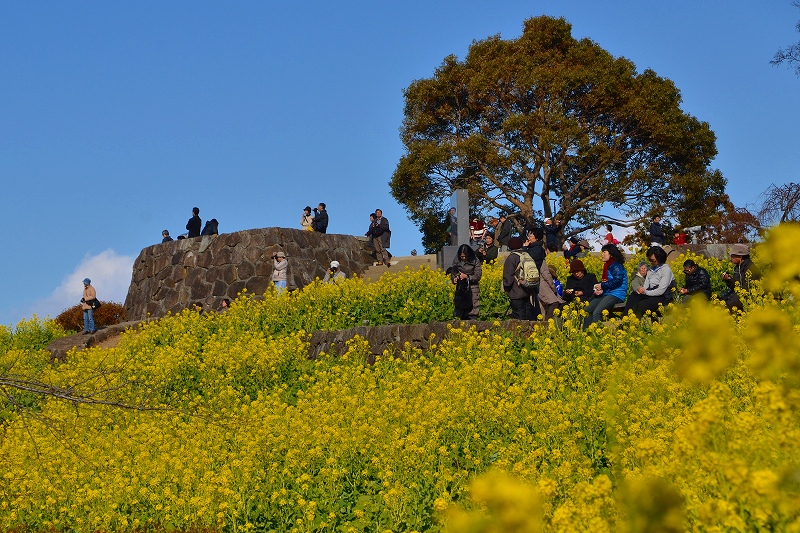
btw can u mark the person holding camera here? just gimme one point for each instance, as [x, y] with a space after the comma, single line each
[320, 223]
[488, 251]
[334, 273]
[279, 269]
[380, 234]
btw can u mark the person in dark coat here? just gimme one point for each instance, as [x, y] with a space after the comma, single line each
[657, 237]
[580, 284]
[744, 271]
[488, 251]
[467, 268]
[551, 230]
[194, 223]
[320, 223]
[165, 236]
[520, 297]
[211, 227]
[535, 249]
[503, 232]
[698, 282]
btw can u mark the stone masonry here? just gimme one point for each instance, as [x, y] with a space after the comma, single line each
[169, 277]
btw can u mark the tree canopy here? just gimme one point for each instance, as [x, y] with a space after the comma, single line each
[520, 123]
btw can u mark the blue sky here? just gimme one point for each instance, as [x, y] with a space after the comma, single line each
[116, 118]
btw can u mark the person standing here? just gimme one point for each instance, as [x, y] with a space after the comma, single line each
[280, 267]
[518, 295]
[165, 236]
[381, 238]
[467, 274]
[452, 229]
[320, 223]
[535, 249]
[194, 223]
[89, 294]
[657, 236]
[306, 220]
[551, 230]
[488, 251]
[549, 300]
[503, 232]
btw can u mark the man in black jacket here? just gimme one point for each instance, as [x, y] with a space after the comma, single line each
[194, 223]
[656, 233]
[320, 223]
[697, 281]
[503, 232]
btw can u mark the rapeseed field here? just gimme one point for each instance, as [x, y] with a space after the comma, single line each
[220, 422]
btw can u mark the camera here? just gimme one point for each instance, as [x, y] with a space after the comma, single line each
[315, 210]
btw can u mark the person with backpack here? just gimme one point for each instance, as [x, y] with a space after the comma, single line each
[466, 275]
[211, 227]
[536, 249]
[613, 286]
[515, 284]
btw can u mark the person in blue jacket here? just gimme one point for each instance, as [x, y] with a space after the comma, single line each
[613, 287]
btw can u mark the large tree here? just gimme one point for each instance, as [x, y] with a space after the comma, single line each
[524, 122]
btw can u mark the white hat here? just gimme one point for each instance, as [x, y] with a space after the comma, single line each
[334, 264]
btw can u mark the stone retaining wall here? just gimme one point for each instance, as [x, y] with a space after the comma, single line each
[393, 337]
[171, 276]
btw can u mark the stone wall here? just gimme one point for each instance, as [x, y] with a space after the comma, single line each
[171, 276]
[393, 337]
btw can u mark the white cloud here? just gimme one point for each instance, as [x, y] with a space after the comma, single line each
[110, 274]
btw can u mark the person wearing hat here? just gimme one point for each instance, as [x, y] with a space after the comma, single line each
[280, 268]
[165, 236]
[306, 220]
[334, 273]
[578, 248]
[698, 282]
[744, 271]
[89, 294]
[580, 284]
[503, 232]
[519, 296]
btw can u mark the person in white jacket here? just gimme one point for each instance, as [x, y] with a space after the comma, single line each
[658, 285]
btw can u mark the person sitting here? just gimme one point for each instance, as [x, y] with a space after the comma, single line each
[658, 284]
[744, 271]
[578, 248]
[165, 236]
[698, 282]
[477, 231]
[613, 286]
[637, 281]
[211, 227]
[580, 284]
[488, 251]
[334, 273]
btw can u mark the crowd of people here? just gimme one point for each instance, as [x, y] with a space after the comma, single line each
[534, 289]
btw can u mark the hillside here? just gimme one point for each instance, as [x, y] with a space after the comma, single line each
[221, 422]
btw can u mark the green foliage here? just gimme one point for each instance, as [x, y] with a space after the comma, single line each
[521, 122]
